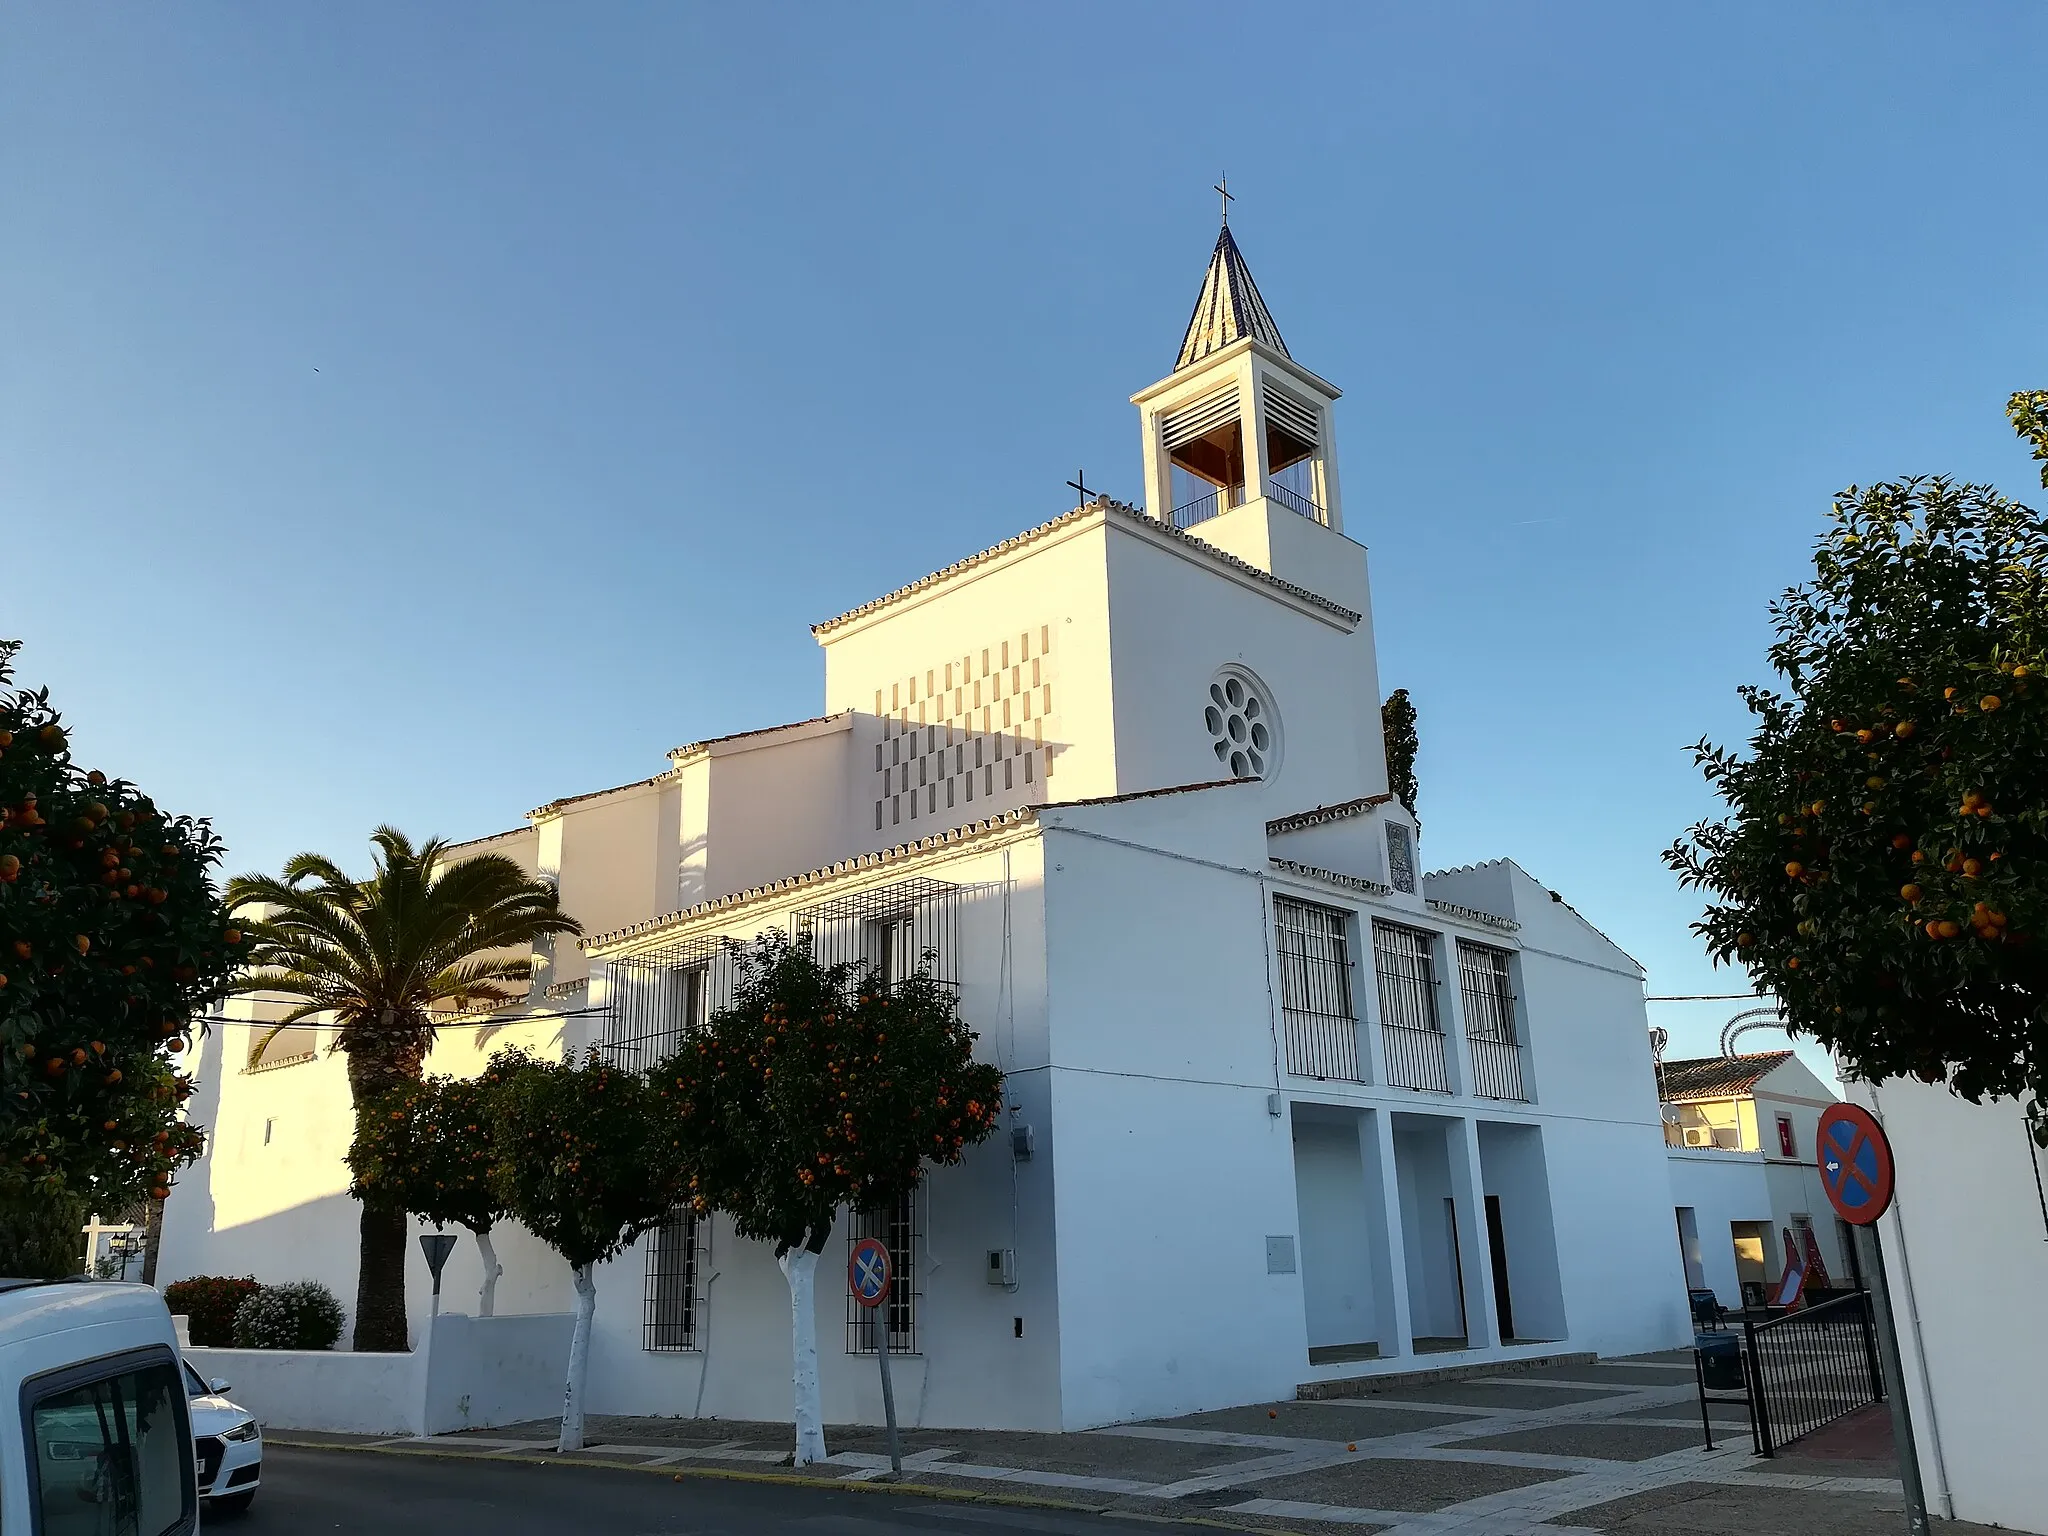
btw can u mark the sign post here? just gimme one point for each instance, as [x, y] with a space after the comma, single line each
[437, 1246]
[868, 1277]
[1857, 1174]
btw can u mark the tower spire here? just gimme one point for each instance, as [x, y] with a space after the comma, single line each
[1230, 307]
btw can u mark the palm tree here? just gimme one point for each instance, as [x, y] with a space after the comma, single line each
[375, 956]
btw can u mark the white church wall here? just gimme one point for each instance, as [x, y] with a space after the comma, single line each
[974, 1365]
[1352, 845]
[1049, 590]
[775, 806]
[269, 1196]
[1617, 1249]
[614, 865]
[1966, 1255]
[1178, 620]
[1173, 1171]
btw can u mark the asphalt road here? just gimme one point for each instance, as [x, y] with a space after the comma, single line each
[309, 1493]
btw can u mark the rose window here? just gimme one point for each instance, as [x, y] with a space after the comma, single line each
[1243, 729]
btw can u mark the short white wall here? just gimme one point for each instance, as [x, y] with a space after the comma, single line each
[320, 1389]
[486, 1371]
[475, 1373]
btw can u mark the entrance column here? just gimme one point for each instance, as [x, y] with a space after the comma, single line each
[1475, 1248]
[1376, 1141]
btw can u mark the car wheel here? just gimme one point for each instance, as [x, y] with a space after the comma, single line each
[233, 1504]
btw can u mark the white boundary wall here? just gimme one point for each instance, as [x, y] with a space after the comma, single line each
[1966, 1254]
[475, 1373]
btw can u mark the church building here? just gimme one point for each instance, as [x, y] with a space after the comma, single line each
[1281, 1108]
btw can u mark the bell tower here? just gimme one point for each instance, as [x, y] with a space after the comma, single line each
[1237, 439]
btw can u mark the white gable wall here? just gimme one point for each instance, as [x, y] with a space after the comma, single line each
[1176, 618]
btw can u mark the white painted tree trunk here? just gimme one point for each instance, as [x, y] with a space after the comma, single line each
[487, 1297]
[800, 1269]
[579, 1362]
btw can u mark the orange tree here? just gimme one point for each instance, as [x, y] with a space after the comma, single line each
[426, 1147]
[819, 1087]
[577, 1158]
[1883, 866]
[112, 937]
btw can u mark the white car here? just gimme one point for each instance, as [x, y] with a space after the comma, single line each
[95, 1427]
[227, 1446]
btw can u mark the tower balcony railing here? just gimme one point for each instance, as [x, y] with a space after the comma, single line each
[1294, 501]
[1215, 501]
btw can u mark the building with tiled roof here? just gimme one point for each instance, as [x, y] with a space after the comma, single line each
[1120, 781]
[1740, 1134]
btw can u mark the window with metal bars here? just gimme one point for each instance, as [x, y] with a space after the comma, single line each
[892, 930]
[660, 996]
[678, 1252]
[1486, 986]
[1404, 960]
[1314, 950]
[898, 1230]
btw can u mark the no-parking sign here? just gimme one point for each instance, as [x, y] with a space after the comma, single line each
[867, 1272]
[1855, 1163]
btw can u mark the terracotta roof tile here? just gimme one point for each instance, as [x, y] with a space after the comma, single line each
[1324, 813]
[1716, 1077]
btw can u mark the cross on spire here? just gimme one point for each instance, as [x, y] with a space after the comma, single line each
[1222, 188]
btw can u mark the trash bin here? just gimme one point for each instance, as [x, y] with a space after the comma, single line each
[1720, 1361]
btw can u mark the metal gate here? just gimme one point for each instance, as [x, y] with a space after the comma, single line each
[1809, 1368]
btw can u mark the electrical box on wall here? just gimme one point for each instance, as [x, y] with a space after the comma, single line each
[1002, 1266]
[1021, 1143]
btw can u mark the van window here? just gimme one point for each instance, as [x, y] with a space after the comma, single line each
[112, 1451]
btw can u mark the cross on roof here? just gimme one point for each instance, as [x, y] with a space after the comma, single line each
[1223, 187]
[1080, 483]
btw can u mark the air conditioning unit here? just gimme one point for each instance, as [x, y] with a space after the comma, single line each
[1698, 1136]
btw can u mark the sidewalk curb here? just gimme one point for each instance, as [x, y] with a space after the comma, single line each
[790, 1479]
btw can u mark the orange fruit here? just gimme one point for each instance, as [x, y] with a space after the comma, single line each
[1949, 928]
[1910, 892]
[1989, 702]
[1795, 869]
[1903, 729]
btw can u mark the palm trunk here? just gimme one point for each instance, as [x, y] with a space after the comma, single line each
[800, 1269]
[380, 1323]
[579, 1362]
[487, 1297]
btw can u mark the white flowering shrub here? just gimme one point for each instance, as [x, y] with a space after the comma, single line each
[302, 1315]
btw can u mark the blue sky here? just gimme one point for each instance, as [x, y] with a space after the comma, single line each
[415, 413]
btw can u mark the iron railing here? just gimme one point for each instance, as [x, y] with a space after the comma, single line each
[1808, 1368]
[1314, 951]
[1217, 500]
[1410, 1030]
[672, 1313]
[1415, 1058]
[890, 931]
[1485, 983]
[1294, 501]
[896, 1317]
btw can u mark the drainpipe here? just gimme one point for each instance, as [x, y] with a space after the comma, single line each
[1941, 1493]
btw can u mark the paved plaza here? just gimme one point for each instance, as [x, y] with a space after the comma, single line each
[1613, 1446]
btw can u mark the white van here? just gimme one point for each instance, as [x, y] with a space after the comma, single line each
[95, 1432]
